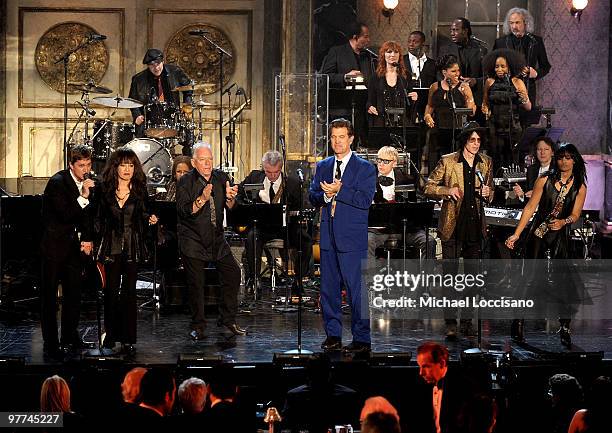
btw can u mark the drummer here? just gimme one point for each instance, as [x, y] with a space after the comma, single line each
[155, 84]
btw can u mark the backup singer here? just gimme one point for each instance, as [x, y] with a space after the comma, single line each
[456, 181]
[123, 219]
[390, 87]
[202, 195]
[444, 96]
[504, 93]
[343, 187]
[67, 233]
[275, 186]
[518, 29]
[557, 202]
[421, 69]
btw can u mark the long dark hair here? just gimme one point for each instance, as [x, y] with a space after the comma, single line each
[515, 60]
[138, 184]
[579, 170]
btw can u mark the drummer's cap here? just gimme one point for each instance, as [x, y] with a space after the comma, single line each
[153, 55]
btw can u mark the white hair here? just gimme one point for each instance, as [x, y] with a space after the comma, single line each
[527, 17]
[198, 145]
[192, 395]
[272, 157]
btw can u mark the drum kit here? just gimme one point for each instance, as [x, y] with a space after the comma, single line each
[165, 127]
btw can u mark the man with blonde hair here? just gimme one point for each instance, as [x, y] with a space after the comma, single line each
[390, 176]
[518, 29]
[130, 387]
[192, 395]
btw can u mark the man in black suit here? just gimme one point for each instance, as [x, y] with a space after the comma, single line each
[470, 53]
[518, 29]
[202, 195]
[421, 69]
[155, 84]
[158, 393]
[226, 412]
[350, 58]
[445, 394]
[68, 226]
[390, 176]
[276, 187]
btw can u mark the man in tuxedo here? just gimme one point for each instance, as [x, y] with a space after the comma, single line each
[202, 195]
[390, 176]
[470, 53]
[518, 29]
[343, 187]
[421, 69]
[350, 58]
[67, 238]
[275, 187]
[158, 393]
[444, 394]
[155, 84]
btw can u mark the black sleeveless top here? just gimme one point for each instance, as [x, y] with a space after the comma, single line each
[503, 96]
[442, 104]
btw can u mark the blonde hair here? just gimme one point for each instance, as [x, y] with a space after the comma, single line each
[378, 404]
[388, 152]
[130, 387]
[55, 395]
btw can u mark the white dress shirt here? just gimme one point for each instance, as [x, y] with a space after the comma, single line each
[264, 194]
[389, 191]
[417, 64]
[345, 161]
[437, 406]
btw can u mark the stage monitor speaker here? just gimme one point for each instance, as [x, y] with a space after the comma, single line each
[292, 360]
[194, 360]
[390, 359]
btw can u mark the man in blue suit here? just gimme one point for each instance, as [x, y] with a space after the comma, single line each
[344, 186]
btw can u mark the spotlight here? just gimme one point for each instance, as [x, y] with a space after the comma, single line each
[389, 7]
[577, 7]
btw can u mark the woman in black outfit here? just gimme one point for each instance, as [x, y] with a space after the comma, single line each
[390, 87]
[438, 112]
[123, 223]
[504, 93]
[558, 198]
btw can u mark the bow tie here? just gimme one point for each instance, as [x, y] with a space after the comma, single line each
[385, 180]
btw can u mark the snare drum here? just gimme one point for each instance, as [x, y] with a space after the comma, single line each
[155, 159]
[162, 120]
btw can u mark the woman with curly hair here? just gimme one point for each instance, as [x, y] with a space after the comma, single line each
[122, 224]
[557, 200]
[390, 87]
[443, 96]
[504, 94]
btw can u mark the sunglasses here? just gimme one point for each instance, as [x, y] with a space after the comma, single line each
[383, 161]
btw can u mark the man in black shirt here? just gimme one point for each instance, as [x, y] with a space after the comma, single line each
[470, 53]
[421, 69]
[201, 197]
[518, 28]
[155, 84]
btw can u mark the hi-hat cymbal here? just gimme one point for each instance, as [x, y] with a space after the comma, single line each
[198, 104]
[89, 87]
[116, 102]
[201, 87]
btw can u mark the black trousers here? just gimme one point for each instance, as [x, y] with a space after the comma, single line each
[67, 270]
[120, 301]
[229, 273]
[264, 236]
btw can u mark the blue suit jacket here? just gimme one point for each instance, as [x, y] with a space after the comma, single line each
[350, 221]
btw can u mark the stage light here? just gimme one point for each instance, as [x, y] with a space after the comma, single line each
[389, 7]
[577, 7]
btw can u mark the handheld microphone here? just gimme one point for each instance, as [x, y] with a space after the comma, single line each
[89, 111]
[88, 175]
[198, 32]
[372, 53]
[300, 174]
[480, 41]
[93, 37]
[228, 89]
[480, 177]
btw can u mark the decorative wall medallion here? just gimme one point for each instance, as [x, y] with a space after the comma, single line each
[199, 58]
[89, 63]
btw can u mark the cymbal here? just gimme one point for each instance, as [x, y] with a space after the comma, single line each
[117, 102]
[198, 104]
[89, 87]
[205, 87]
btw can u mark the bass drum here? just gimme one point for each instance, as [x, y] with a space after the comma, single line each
[155, 159]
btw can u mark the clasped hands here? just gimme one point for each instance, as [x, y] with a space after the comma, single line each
[331, 189]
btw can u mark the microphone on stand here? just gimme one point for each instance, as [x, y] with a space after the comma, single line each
[198, 32]
[228, 89]
[88, 110]
[480, 41]
[94, 37]
[372, 53]
[300, 174]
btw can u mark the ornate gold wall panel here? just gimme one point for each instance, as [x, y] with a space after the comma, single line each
[35, 22]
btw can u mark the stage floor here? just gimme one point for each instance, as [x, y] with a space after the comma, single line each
[163, 335]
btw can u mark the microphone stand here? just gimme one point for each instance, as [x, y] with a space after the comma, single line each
[222, 53]
[64, 60]
[451, 99]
